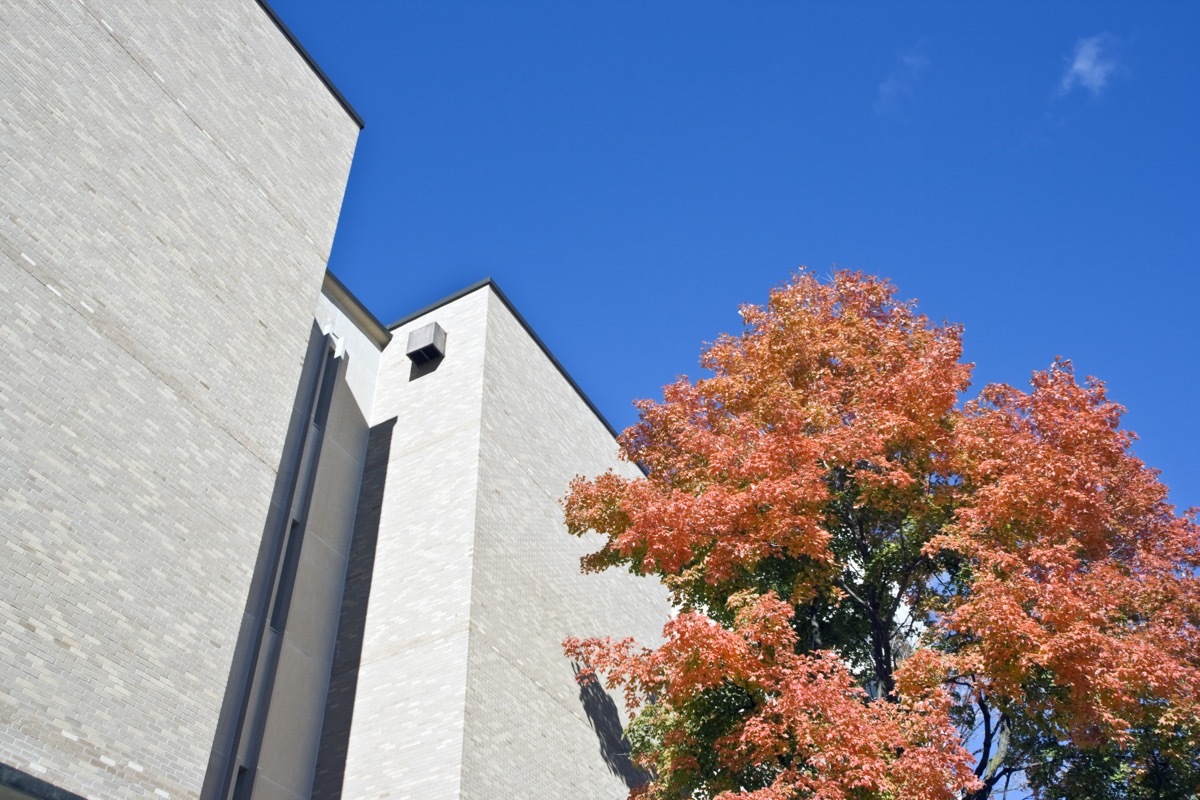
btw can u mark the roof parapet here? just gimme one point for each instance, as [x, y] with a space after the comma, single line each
[488, 282]
[357, 312]
[312, 63]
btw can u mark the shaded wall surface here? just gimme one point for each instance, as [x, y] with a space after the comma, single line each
[275, 701]
[170, 179]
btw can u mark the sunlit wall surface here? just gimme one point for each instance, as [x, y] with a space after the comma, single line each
[170, 179]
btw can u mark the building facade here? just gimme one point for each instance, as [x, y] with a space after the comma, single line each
[251, 546]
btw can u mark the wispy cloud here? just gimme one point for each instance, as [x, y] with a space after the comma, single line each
[899, 86]
[1091, 65]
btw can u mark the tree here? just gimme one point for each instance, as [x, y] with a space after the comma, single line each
[885, 592]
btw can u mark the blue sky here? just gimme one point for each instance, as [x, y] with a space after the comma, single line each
[631, 172]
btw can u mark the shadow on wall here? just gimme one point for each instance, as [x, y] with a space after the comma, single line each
[602, 713]
[421, 370]
[343, 680]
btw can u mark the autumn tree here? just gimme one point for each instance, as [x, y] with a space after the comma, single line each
[884, 591]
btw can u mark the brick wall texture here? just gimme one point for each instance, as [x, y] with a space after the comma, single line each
[530, 731]
[170, 179]
[462, 687]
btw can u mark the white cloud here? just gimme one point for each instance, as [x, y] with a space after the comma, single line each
[1091, 65]
[901, 83]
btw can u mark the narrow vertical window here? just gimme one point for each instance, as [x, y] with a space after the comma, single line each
[241, 787]
[328, 382]
[287, 578]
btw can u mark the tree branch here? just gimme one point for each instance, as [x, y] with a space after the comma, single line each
[986, 749]
[841, 584]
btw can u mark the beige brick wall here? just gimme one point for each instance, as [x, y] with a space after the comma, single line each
[463, 690]
[529, 732]
[170, 178]
[406, 739]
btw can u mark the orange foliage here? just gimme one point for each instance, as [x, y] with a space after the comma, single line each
[738, 464]
[1082, 571]
[1040, 558]
[809, 716]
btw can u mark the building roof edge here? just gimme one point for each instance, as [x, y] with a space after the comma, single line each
[512, 309]
[312, 63]
[354, 308]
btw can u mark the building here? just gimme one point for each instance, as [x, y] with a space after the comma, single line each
[256, 544]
